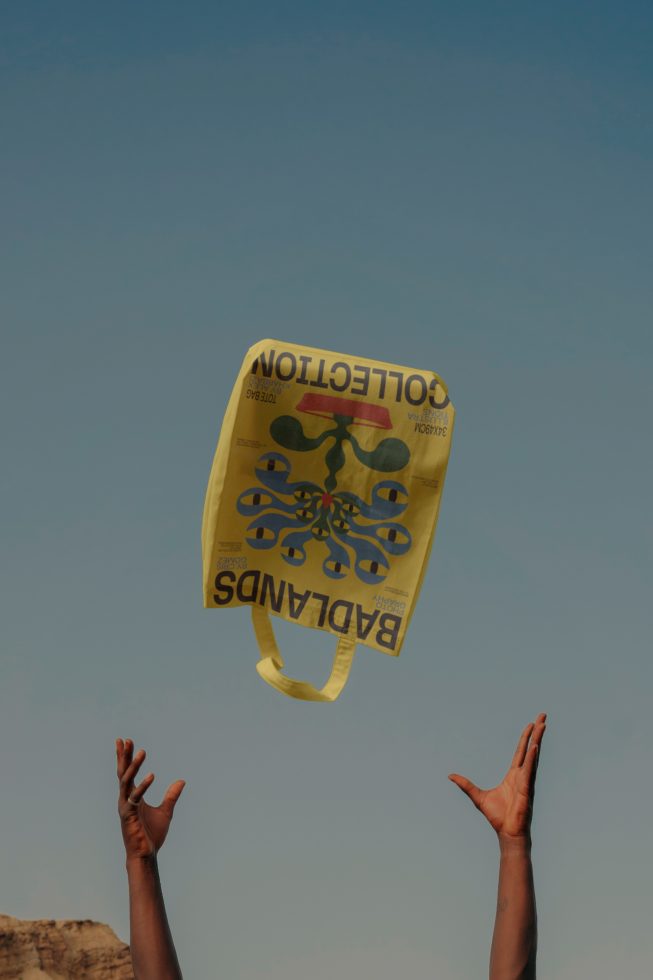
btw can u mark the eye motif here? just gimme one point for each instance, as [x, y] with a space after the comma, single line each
[255, 500]
[294, 556]
[334, 569]
[320, 532]
[372, 569]
[393, 535]
[392, 494]
[262, 537]
[276, 464]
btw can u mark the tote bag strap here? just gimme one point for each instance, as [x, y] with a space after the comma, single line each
[271, 663]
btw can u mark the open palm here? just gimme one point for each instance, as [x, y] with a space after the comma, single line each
[144, 827]
[509, 806]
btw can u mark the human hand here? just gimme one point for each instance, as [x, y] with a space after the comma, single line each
[509, 806]
[144, 827]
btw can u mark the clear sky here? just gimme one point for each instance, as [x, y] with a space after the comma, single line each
[464, 187]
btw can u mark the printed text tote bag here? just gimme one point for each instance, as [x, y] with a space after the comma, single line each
[323, 499]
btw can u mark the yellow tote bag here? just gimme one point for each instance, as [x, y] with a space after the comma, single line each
[323, 499]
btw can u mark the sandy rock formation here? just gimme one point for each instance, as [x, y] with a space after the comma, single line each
[45, 949]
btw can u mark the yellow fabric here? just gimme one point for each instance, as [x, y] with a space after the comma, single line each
[271, 664]
[323, 499]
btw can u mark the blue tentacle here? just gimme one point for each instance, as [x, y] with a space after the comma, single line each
[366, 552]
[295, 542]
[267, 501]
[337, 556]
[275, 524]
[392, 547]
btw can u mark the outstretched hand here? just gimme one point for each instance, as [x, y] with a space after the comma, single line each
[509, 806]
[144, 827]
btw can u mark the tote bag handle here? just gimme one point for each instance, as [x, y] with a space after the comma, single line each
[271, 663]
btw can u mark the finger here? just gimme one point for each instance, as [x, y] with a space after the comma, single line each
[126, 755]
[136, 794]
[468, 787]
[128, 776]
[522, 747]
[529, 768]
[540, 723]
[172, 794]
[538, 735]
[123, 754]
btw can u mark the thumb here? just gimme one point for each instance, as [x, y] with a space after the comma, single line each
[468, 787]
[172, 794]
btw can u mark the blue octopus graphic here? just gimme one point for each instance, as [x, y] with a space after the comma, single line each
[297, 512]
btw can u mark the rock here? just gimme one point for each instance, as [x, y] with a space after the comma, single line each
[48, 949]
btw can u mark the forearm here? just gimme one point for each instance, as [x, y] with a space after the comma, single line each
[514, 943]
[152, 950]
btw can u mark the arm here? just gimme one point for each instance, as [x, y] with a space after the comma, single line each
[514, 942]
[509, 809]
[144, 829]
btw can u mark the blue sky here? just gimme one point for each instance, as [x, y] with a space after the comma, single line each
[466, 189]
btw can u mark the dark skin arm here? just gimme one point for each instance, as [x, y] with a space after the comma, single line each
[144, 829]
[508, 808]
